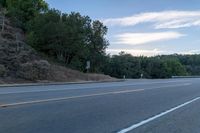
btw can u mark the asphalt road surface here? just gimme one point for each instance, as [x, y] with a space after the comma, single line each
[132, 106]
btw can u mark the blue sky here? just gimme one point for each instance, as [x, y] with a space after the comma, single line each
[143, 27]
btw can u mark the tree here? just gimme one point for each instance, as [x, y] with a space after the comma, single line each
[2, 3]
[22, 11]
[150, 67]
[70, 38]
[124, 64]
[98, 45]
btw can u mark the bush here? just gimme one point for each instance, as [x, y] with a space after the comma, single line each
[36, 70]
[2, 70]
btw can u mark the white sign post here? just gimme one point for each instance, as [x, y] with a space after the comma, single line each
[87, 66]
[141, 76]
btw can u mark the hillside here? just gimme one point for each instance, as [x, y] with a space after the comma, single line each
[21, 63]
[72, 39]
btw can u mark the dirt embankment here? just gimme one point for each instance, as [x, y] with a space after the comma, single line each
[19, 63]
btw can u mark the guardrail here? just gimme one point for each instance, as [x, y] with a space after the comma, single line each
[185, 76]
[58, 83]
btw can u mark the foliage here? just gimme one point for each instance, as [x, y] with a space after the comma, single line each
[22, 11]
[150, 67]
[73, 39]
[2, 3]
[70, 38]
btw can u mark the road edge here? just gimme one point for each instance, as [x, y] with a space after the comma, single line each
[58, 83]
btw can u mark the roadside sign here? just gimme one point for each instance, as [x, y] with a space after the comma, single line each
[88, 65]
[141, 76]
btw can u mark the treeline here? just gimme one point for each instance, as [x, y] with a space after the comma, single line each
[72, 40]
[163, 66]
[149, 67]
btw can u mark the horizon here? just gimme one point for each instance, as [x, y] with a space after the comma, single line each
[143, 28]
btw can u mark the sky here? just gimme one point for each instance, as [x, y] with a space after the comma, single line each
[143, 27]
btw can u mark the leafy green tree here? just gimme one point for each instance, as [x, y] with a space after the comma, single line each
[124, 64]
[2, 3]
[22, 11]
[70, 38]
[97, 45]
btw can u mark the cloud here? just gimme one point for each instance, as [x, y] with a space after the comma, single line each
[191, 52]
[136, 52]
[160, 20]
[149, 53]
[143, 38]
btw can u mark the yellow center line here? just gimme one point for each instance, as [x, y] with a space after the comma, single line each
[89, 95]
[67, 98]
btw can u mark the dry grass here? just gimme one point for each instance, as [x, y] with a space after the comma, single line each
[63, 74]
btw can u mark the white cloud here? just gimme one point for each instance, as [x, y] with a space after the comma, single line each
[191, 52]
[153, 52]
[143, 38]
[164, 19]
[136, 52]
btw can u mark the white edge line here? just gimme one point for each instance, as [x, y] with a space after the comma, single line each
[156, 116]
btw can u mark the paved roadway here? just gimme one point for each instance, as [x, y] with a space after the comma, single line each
[135, 106]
